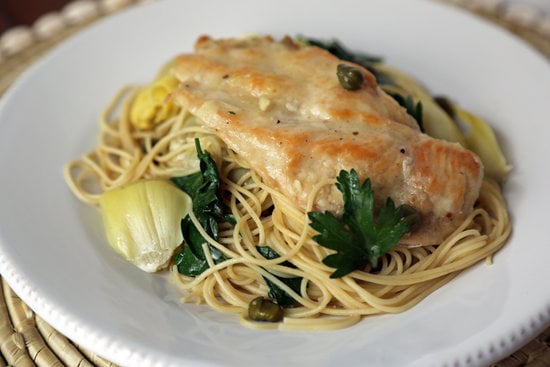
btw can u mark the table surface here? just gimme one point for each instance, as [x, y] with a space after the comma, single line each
[26, 12]
[25, 339]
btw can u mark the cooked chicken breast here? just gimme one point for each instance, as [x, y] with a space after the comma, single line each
[280, 106]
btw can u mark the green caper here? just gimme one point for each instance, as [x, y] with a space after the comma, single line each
[350, 78]
[263, 309]
[411, 216]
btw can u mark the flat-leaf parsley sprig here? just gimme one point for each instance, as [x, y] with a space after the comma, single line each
[209, 208]
[358, 237]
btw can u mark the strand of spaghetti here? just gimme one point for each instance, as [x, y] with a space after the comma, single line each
[75, 187]
[127, 174]
[427, 274]
[474, 249]
[242, 235]
[309, 307]
[106, 151]
[106, 117]
[340, 293]
[386, 304]
[251, 215]
[148, 159]
[211, 297]
[440, 253]
[325, 324]
[243, 276]
[405, 257]
[163, 152]
[393, 264]
[411, 296]
[125, 126]
[187, 146]
[297, 240]
[439, 256]
[225, 286]
[249, 201]
[382, 290]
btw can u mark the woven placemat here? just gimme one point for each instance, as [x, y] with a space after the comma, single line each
[26, 339]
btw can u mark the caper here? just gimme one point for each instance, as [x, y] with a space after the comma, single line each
[263, 309]
[411, 216]
[350, 78]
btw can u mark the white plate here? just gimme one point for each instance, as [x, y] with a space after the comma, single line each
[52, 249]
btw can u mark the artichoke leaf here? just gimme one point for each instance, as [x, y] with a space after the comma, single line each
[480, 138]
[437, 123]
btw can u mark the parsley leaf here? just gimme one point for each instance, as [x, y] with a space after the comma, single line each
[415, 110]
[202, 187]
[278, 295]
[365, 60]
[338, 50]
[358, 237]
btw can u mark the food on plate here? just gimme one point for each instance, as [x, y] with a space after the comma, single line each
[310, 185]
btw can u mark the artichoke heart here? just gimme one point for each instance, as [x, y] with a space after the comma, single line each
[152, 106]
[142, 221]
[481, 139]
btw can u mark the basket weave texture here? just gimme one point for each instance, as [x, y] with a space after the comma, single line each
[27, 340]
